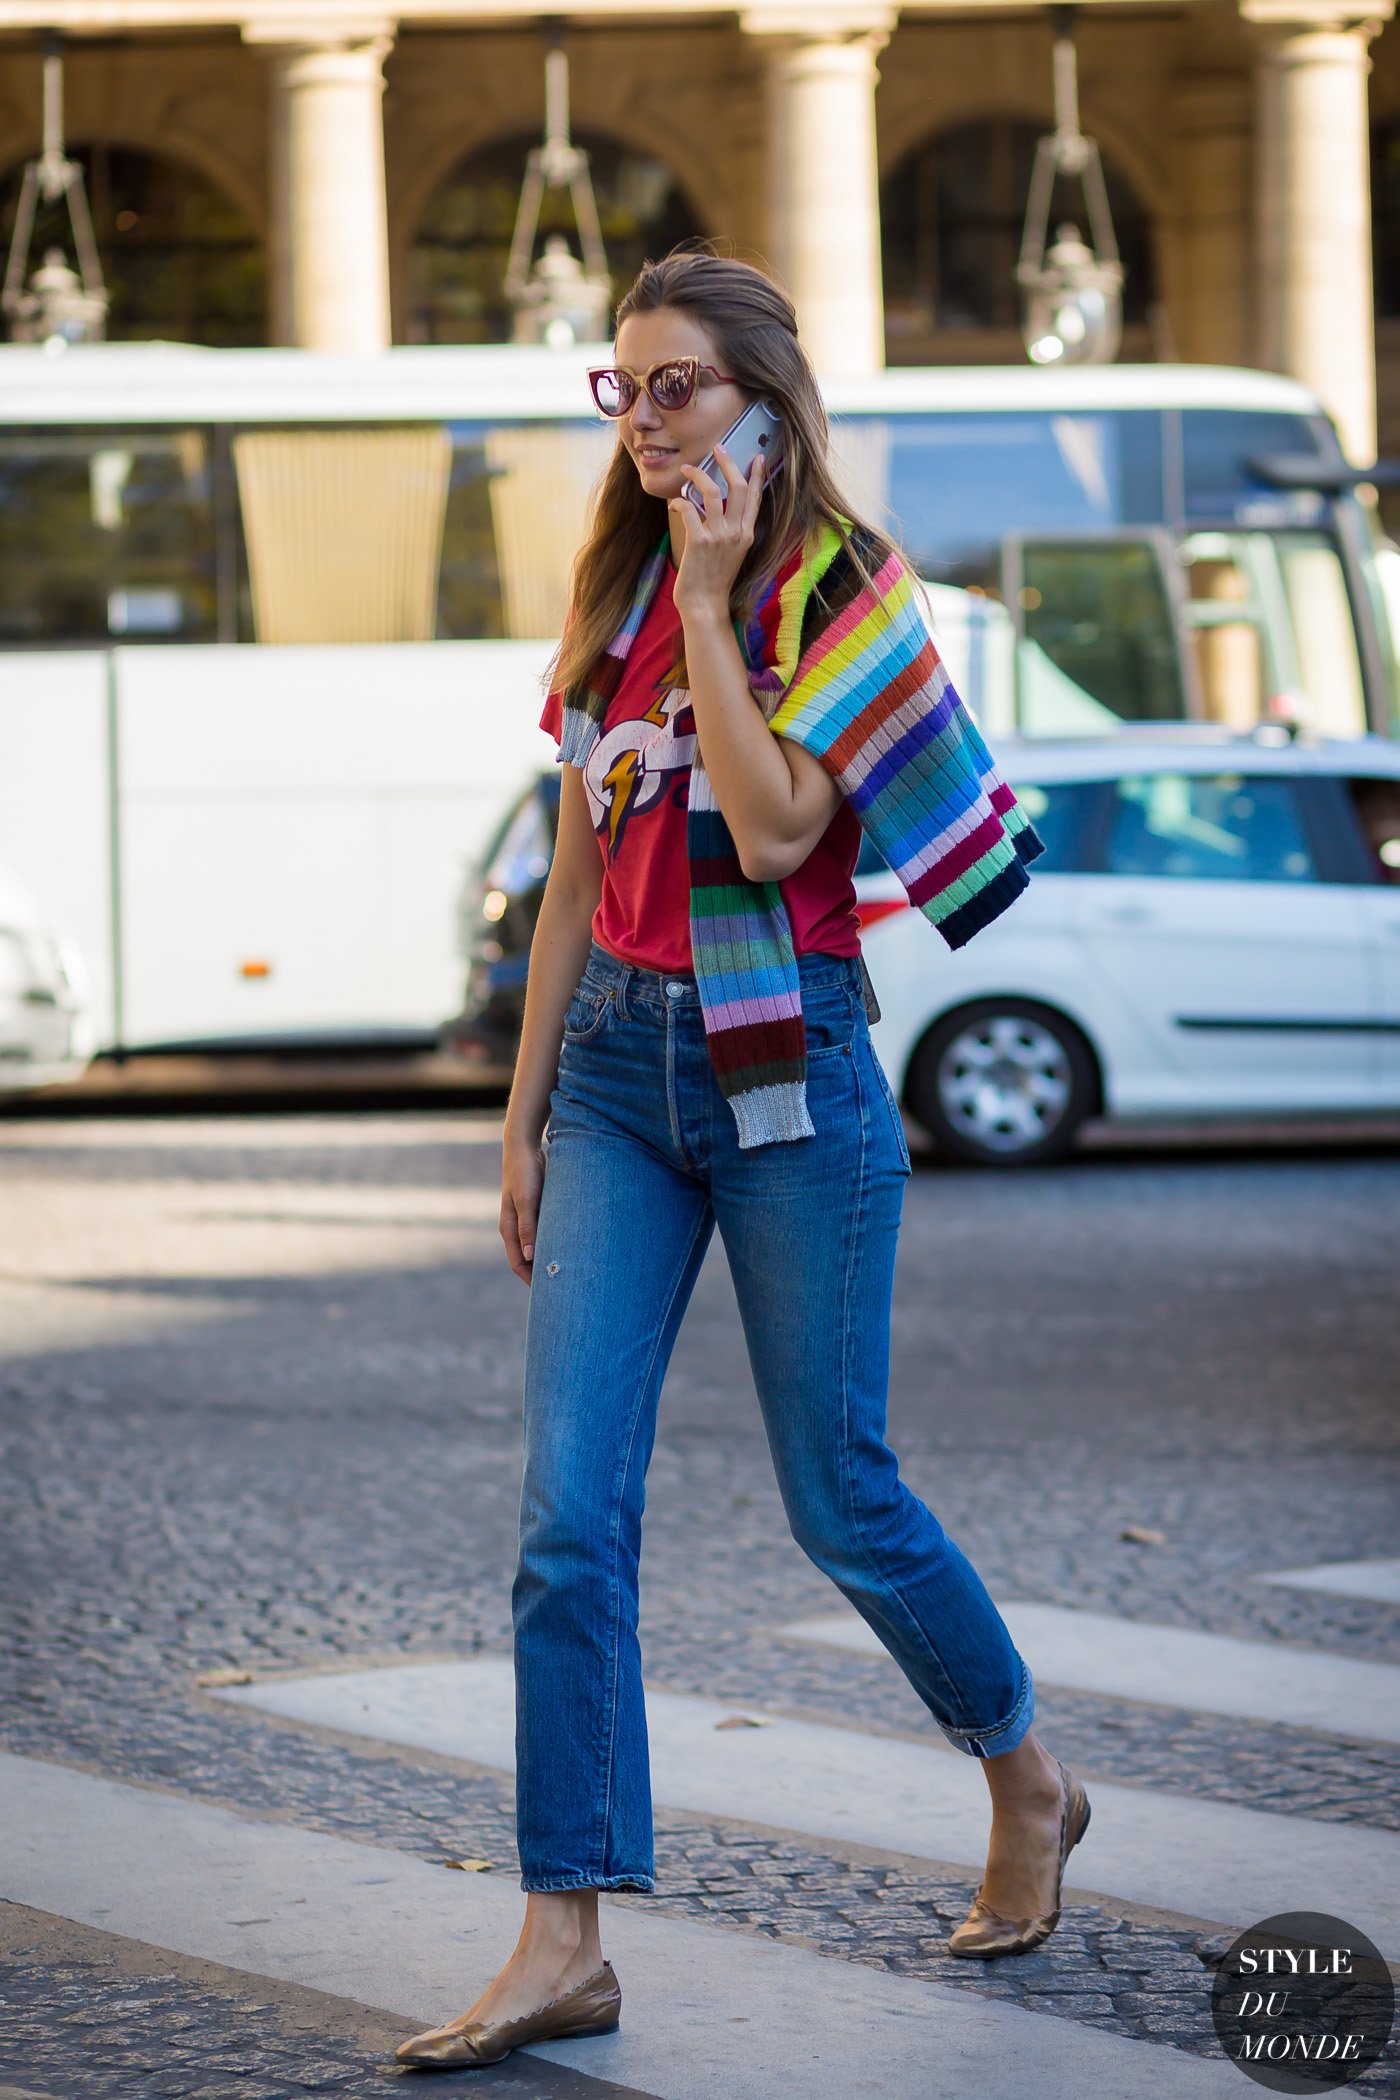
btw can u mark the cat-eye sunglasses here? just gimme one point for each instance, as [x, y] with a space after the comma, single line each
[670, 384]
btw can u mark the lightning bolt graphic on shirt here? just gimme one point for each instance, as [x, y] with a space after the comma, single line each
[623, 774]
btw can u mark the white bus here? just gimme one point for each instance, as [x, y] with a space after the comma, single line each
[272, 626]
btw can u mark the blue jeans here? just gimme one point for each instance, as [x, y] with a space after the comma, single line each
[642, 1160]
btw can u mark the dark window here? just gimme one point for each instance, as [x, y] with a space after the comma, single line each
[459, 257]
[1377, 804]
[181, 262]
[1220, 486]
[517, 504]
[1221, 827]
[1062, 812]
[956, 484]
[519, 855]
[951, 215]
[107, 535]
[1101, 615]
[469, 588]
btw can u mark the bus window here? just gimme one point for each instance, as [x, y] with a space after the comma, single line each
[1324, 634]
[106, 535]
[1225, 626]
[956, 483]
[343, 531]
[1292, 649]
[1380, 577]
[1098, 635]
[1271, 627]
[517, 512]
[1218, 484]
[469, 586]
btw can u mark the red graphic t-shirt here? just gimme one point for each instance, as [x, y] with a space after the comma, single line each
[638, 783]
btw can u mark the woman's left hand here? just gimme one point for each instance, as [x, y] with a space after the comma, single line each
[716, 543]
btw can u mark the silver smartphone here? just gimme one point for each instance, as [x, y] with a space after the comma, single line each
[757, 434]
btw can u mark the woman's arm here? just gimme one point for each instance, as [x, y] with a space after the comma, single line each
[558, 953]
[776, 798]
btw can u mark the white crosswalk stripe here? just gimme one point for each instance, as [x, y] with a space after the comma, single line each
[711, 2012]
[1376, 1580]
[1201, 1859]
[708, 2014]
[1090, 1651]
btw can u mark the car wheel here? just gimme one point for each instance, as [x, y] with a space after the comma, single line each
[1003, 1083]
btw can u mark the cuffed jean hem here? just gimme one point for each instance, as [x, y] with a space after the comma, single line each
[639, 1884]
[995, 1742]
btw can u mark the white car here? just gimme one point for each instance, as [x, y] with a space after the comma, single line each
[46, 1027]
[1213, 929]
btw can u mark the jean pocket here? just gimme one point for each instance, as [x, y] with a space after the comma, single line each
[829, 1018]
[588, 1010]
[886, 1091]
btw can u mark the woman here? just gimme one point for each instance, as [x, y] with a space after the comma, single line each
[696, 1041]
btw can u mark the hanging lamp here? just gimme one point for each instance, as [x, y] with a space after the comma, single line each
[57, 305]
[1072, 291]
[558, 298]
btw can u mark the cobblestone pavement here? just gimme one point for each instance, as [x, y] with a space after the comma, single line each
[258, 1398]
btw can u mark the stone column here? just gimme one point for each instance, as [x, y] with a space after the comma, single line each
[1316, 302]
[330, 241]
[823, 183]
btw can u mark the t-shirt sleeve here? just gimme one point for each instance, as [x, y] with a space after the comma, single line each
[552, 720]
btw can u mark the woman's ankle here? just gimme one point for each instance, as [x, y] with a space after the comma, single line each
[1027, 1777]
[561, 1925]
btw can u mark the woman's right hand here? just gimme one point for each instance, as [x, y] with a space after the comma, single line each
[522, 1178]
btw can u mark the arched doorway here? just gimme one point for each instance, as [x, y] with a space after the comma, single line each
[459, 257]
[181, 262]
[951, 216]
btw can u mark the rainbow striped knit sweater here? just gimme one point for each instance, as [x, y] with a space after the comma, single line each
[852, 675]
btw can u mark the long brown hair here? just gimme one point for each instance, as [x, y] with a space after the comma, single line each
[753, 326]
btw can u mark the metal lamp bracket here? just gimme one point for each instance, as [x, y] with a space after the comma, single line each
[557, 164]
[1067, 152]
[51, 176]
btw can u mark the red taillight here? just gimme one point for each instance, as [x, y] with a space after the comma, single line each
[870, 910]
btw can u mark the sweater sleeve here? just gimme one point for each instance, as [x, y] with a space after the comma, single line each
[872, 699]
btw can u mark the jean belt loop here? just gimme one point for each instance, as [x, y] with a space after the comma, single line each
[624, 976]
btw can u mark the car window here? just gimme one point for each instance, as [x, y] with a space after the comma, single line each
[1377, 804]
[522, 849]
[1060, 813]
[1223, 827]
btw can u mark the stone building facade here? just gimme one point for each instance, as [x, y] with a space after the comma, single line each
[310, 171]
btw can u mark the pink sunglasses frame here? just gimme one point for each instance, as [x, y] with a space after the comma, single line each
[642, 382]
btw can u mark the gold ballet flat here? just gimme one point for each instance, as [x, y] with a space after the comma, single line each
[985, 1933]
[591, 2007]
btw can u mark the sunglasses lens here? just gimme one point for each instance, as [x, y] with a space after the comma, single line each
[614, 392]
[672, 385]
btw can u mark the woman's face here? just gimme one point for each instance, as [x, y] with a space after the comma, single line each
[664, 441]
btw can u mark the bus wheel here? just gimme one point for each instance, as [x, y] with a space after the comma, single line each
[1003, 1083]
